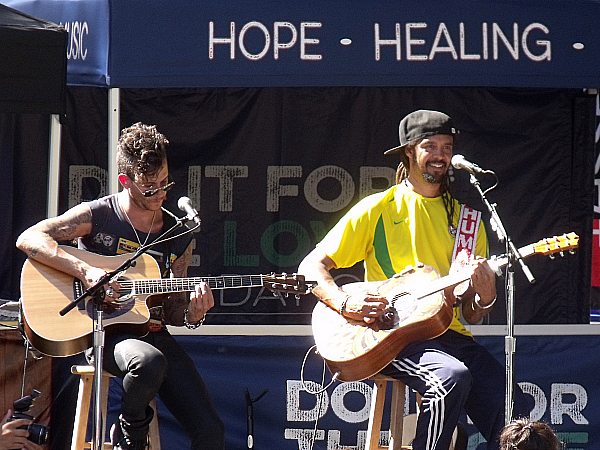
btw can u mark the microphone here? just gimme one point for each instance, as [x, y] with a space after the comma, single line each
[185, 204]
[459, 162]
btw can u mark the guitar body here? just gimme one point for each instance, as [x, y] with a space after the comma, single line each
[45, 291]
[357, 350]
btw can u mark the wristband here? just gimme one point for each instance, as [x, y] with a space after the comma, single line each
[483, 307]
[191, 325]
[343, 305]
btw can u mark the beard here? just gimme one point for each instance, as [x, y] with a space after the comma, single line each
[429, 178]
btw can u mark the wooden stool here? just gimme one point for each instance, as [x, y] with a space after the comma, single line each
[400, 425]
[84, 399]
[380, 383]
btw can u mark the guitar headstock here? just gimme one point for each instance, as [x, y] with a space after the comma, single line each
[556, 244]
[287, 283]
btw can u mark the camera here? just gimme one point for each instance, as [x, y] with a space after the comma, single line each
[37, 433]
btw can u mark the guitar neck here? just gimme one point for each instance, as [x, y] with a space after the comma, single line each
[442, 283]
[439, 284]
[170, 285]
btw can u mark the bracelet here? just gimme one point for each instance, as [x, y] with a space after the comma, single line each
[343, 305]
[483, 307]
[191, 325]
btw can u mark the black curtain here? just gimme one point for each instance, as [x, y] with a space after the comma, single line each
[33, 79]
[24, 181]
[539, 142]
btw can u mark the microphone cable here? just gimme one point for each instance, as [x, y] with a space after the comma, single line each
[317, 393]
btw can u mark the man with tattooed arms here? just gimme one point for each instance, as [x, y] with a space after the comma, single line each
[120, 223]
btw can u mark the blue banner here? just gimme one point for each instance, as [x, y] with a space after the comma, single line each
[558, 372]
[137, 43]
[88, 25]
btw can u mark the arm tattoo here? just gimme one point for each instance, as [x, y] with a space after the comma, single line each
[181, 264]
[41, 240]
[65, 229]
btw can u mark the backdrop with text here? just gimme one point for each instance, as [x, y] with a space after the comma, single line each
[564, 395]
[272, 169]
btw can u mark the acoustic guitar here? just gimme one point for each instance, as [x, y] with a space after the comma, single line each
[45, 291]
[418, 310]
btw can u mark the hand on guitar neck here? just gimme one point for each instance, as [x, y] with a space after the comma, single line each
[482, 283]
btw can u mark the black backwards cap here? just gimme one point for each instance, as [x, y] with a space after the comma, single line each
[420, 124]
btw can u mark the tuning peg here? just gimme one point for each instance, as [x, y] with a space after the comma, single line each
[551, 256]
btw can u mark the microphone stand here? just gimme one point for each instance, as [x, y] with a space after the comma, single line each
[97, 293]
[510, 342]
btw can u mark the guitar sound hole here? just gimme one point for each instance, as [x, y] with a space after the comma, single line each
[121, 305]
[403, 306]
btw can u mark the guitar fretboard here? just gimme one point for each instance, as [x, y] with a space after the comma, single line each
[495, 262]
[169, 285]
[442, 283]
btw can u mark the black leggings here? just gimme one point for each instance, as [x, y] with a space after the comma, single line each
[157, 364]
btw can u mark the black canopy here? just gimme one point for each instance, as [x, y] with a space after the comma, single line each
[33, 64]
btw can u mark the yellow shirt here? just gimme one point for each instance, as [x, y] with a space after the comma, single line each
[395, 228]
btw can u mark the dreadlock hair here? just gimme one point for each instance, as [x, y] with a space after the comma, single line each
[523, 434]
[141, 150]
[402, 173]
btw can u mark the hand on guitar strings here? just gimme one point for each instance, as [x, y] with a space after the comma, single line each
[368, 308]
[111, 290]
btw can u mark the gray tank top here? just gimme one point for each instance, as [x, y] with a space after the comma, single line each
[113, 235]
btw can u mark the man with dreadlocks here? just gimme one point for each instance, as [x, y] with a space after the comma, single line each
[416, 221]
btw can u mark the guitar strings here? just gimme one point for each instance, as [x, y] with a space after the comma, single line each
[228, 281]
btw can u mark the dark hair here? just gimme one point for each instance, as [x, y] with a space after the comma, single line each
[524, 434]
[404, 165]
[141, 150]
